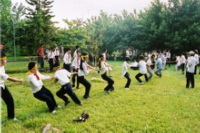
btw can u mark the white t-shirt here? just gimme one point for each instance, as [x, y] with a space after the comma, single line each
[125, 68]
[178, 61]
[51, 55]
[104, 68]
[62, 76]
[35, 84]
[3, 77]
[191, 64]
[196, 56]
[76, 62]
[85, 70]
[142, 67]
[149, 62]
[182, 59]
[67, 58]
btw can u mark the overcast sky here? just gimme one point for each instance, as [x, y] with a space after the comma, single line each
[72, 9]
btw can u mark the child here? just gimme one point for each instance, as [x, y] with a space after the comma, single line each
[75, 65]
[5, 93]
[61, 76]
[143, 71]
[51, 56]
[125, 73]
[67, 60]
[104, 67]
[82, 72]
[159, 66]
[149, 64]
[39, 90]
[190, 69]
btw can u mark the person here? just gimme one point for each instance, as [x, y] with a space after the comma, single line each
[67, 60]
[82, 72]
[149, 64]
[56, 53]
[75, 52]
[62, 76]
[182, 62]
[142, 70]
[103, 68]
[178, 63]
[196, 56]
[158, 66]
[127, 53]
[75, 66]
[41, 55]
[104, 54]
[125, 72]
[51, 57]
[190, 69]
[40, 92]
[5, 93]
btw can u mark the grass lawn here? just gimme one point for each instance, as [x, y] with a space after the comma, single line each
[161, 105]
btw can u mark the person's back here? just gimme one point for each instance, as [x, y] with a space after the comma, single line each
[159, 63]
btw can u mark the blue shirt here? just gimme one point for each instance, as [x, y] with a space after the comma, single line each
[159, 63]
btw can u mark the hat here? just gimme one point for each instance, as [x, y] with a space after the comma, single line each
[191, 53]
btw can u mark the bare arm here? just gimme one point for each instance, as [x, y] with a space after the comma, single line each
[15, 79]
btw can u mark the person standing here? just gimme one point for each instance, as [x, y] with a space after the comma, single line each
[41, 55]
[75, 52]
[125, 72]
[51, 57]
[190, 69]
[5, 93]
[182, 62]
[56, 53]
[143, 70]
[67, 60]
[149, 64]
[196, 56]
[158, 66]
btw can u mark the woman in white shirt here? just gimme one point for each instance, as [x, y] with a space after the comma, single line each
[39, 90]
[82, 72]
[125, 72]
[51, 56]
[143, 70]
[62, 76]
[67, 60]
[104, 67]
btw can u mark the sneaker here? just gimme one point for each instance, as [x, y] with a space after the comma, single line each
[53, 112]
[15, 119]
[86, 96]
[126, 88]
[66, 103]
[59, 107]
[141, 83]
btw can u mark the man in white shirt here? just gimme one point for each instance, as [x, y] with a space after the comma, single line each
[125, 72]
[62, 76]
[67, 60]
[5, 93]
[143, 70]
[182, 62]
[191, 62]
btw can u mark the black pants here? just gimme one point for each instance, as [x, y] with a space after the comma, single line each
[57, 59]
[85, 83]
[8, 99]
[50, 64]
[67, 88]
[195, 70]
[183, 67]
[189, 79]
[45, 95]
[128, 80]
[67, 67]
[139, 75]
[110, 82]
[41, 60]
[75, 79]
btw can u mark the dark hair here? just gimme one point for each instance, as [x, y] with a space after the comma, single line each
[2, 54]
[78, 51]
[66, 49]
[141, 57]
[81, 64]
[127, 59]
[100, 57]
[104, 50]
[31, 65]
[77, 47]
[56, 64]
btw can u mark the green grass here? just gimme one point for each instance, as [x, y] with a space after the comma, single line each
[161, 105]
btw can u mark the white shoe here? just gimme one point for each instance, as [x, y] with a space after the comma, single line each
[53, 112]
[126, 88]
[141, 83]
[15, 119]
[59, 107]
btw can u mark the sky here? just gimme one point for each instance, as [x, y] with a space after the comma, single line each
[72, 9]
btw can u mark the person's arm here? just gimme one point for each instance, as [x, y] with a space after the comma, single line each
[85, 69]
[15, 79]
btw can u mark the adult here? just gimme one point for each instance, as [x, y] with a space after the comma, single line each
[41, 56]
[67, 60]
[196, 56]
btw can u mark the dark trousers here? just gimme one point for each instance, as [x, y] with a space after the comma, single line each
[158, 72]
[57, 59]
[50, 64]
[75, 79]
[183, 67]
[8, 99]
[128, 80]
[45, 95]
[109, 81]
[195, 70]
[150, 71]
[139, 75]
[189, 79]
[85, 83]
[41, 60]
[67, 67]
[67, 88]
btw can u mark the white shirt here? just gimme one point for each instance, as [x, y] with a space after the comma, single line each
[149, 62]
[178, 60]
[67, 58]
[35, 84]
[75, 54]
[125, 68]
[51, 55]
[191, 64]
[56, 52]
[104, 68]
[62, 76]
[196, 56]
[182, 59]
[85, 70]
[3, 77]
[104, 56]
[142, 67]
[76, 62]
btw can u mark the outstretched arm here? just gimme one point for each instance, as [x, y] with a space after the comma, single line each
[15, 79]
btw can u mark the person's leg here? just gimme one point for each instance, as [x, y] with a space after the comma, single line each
[87, 85]
[61, 94]
[70, 92]
[150, 72]
[146, 77]
[8, 99]
[183, 68]
[128, 80]
[187, 80]
[49, 93]
[192, 80]
[73, 78]
[195, 70]
[138, 77]
[109, 81]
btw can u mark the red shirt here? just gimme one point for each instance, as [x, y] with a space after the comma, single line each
[40, 51]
